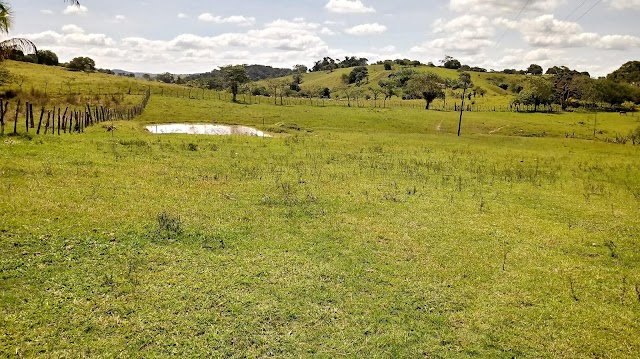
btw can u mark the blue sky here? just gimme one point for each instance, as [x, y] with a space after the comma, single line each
[198, 36]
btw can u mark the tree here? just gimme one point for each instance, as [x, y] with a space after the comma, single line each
[146, 77]
[375, 91]
[46, 57]
[358, 75]
[389, 88]
[300, 69]
[403, 76]
[613, 93]
[166, 77]
[427, 86]
[629, 72]
[447, 83]
[450, 63]
[85, 64]
[535, 69]
[536, 91]
[234, 76]
[479, 91]
[274, 85]
[388, 65]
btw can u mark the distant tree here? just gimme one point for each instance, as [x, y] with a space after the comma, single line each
[479, 91]
[234, 76]
[348, 92]
[165, 77]
[427, 86]
[450, 63]
[447, 84]
[375, 92]
[273, 85]
[353, 61]
[629, 73]
[537, 91]
[389, 89]
[297, 81]
[146, 77]
[326, 93]
[300, 69]
[535, 69]
[415, 63]
[358, 75]
[613, 93]
[85, 64]
[326, 64]
[388, 65]
[465, 68]
[403, 76]
[46, 57]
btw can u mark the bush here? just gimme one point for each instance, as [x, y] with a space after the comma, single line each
[628, 106]
[634, 136]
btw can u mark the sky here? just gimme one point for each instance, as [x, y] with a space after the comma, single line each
[198, 36]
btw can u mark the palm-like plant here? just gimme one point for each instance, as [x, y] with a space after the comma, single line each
[7, 47]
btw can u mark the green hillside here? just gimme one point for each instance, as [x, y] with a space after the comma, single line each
[494, 96]
[361, 232]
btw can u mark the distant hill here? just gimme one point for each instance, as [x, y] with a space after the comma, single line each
[136, 74]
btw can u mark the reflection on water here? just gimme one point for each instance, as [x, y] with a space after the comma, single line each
[214, 130]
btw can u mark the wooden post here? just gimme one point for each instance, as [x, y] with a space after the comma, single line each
[15, 123]
[46, 126]
[64, 120]
[59, 119]
[26, 117]
[2, 112]
[40, 122]
[31, 114]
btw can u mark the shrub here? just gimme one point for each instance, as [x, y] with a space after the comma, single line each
[628, 106]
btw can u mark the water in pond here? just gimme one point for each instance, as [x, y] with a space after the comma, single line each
[214, 130]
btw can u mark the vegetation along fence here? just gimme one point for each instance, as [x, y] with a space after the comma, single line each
[68, 121]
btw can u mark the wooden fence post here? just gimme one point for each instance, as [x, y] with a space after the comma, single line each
[40, 122]
[2, 113]
[26, 116]
[15, 123]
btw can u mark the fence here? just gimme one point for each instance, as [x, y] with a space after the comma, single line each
[72, 121]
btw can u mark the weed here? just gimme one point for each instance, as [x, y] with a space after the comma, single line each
[168, 227]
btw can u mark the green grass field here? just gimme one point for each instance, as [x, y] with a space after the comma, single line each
[369, 232]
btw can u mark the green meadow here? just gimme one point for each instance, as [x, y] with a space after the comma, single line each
[353, 232]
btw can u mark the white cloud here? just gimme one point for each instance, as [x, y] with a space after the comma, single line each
[624, 4]
[502, 6]
[465, 27]
[119, 18]
[72, 29]
[278, 43]
[546, 31]
[327, 31]
[76, 10]
[366, 29]
[236, 19]
[348, 7]
[46, 12]
[183, 16]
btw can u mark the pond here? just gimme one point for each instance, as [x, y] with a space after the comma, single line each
[200, 129]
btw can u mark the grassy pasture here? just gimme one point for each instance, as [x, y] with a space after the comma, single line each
[368, 233]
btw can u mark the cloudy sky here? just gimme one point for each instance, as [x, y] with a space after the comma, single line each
[197, 36]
